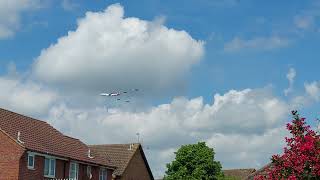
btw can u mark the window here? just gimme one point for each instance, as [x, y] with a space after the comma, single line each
[74, 170]
[103, 174]
[30, 161]
[49, 167]
[89, 172]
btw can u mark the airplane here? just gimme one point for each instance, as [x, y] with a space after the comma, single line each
[116, 93]
[110, 94]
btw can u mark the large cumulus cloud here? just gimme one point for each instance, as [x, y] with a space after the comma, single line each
[110, 51]
[236, 124]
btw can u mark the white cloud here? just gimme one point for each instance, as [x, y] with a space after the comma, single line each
[108, 51]
[313, 90]
[250, 114]
[10, 12]
[253, 151]
[244, 127]
[69, 5]
[304, 22]
[256, 44]
[290, 76]
[25, 97]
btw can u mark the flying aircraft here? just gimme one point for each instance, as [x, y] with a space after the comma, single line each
[110, 94]
[117, 93]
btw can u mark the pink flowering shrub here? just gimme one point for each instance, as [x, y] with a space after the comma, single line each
[301, 157]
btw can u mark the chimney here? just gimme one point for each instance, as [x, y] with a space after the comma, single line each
[131, 147]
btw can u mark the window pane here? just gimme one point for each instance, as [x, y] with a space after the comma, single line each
[52, 167]
[73, 170]
[105, 174]
[102, 174]
[30, 160]
[72, 174]
[72, 166]
[46, 167]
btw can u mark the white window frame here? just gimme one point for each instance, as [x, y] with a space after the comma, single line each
[50, 173]
[76, 165]
[101, 173]
[29, 156]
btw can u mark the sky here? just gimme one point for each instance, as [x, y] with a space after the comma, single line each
[227, 72]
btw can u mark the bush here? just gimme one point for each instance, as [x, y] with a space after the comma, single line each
[301, 157]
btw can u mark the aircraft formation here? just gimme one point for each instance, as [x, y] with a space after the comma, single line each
[121, 95]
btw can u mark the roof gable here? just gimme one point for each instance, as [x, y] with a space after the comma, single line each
[120, 155]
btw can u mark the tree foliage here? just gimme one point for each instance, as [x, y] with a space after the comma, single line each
[194, 162]
[301, 157]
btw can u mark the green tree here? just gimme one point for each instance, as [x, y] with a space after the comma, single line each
[194, 162]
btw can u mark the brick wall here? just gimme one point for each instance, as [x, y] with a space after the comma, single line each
[83, 172]
[10, 153]
[62, 169]
[137, 169]
[36, 173]
[110, 172]
[95, 173]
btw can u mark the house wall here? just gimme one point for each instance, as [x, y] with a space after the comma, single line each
[62, 169]
[110, 172]
[10, 153]
[38, 171]
[26, 173]
[83, 172]
[95, 173]
[136, 169]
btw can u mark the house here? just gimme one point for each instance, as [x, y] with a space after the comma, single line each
[32, 149]
[263, 171]
[129, 159]
[239, 174]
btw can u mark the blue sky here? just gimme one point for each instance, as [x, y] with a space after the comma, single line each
[246, 45]
[214, 22]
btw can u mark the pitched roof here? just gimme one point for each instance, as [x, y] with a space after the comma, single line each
[120, 155]
[263, 171]
[41, 137]
[238, 173]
